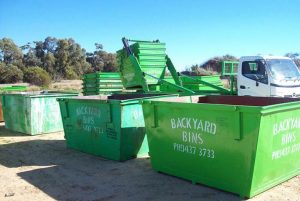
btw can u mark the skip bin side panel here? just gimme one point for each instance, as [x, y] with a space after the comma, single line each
[278, 150]
[17, 113]
[45, 115]
[133, 132]
[208, 145]
[91, 128]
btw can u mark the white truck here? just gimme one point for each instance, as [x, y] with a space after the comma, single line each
[268, 76]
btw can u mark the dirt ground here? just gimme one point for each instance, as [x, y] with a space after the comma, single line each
[42, 168]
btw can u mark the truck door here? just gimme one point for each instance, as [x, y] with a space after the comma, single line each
[253, 79]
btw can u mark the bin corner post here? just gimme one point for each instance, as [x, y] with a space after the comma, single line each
[232, 84]
[153, 115]
[109, 123]
[237, 134]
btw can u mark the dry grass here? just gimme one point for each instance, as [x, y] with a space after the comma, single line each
[70, 85]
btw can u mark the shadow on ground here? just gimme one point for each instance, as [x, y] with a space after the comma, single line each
[73, 175]
[8, 133]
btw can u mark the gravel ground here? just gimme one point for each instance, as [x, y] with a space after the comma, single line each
[42, 168]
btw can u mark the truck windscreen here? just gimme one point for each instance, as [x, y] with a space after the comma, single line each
[283, 69]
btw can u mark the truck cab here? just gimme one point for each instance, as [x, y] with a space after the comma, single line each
[268, 76]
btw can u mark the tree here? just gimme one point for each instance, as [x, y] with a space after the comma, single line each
[30, 58]
[50, 44]
[77, 58]
[214, 64]
[42, 55]
[100, 60]
[38, 76]
[70, 59]
[61, 55]
[10, 73]
[10, 53]
[49, 63]
[110, 62]
[61, 58]
[39, 49]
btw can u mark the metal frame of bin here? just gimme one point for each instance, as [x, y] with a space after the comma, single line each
[143, 66]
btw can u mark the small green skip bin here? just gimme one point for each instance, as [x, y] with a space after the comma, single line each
[33, 112]
[243, 145]
[108, 126]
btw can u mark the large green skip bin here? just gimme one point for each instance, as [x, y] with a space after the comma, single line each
[33, 112]
[243, 145]
[108, 126]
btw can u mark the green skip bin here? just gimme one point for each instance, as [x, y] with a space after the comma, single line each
[33, 112]
[108, 126]
[243, 145]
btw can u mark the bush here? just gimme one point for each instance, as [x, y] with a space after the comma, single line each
[10, 74]
[37, 76]
[198, 71]
[71, 74]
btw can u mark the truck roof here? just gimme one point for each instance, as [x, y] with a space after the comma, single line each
[252, 58]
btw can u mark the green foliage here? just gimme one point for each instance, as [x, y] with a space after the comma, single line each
[30, 59]
[100, 60]
[10, 73]
[70, 74]
[211, 66]
[196, 70]
[37, 76]
[10, 53]
[214, 64]
[49, 63]
[70, 59]
[61, 58]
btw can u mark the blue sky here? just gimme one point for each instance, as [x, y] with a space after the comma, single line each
[194, 30]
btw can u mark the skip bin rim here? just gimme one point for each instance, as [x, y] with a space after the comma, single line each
[264, 110]
[122, 102]
[28, 95]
